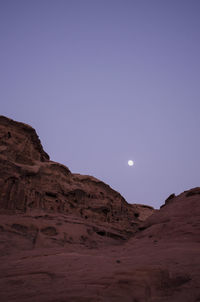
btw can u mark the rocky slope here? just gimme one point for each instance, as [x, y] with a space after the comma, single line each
[68, 237]
[48, 205]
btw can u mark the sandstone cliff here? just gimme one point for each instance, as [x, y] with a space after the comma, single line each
[68, 237]
[33, 186]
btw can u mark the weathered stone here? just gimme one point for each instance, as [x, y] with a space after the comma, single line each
[70, 237]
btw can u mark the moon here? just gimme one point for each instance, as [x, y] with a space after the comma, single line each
[130, 163]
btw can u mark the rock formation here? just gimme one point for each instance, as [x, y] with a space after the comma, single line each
[33, 186]
[70, 237]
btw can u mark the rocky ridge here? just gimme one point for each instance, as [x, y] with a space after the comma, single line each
[34, 188]
[68, 237]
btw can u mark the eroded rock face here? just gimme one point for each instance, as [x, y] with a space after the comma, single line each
[32, 185]
[179, 219]
[19, 143]
[160, 262]
[69, 237]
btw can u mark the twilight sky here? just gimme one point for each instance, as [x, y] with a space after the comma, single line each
[105, 81]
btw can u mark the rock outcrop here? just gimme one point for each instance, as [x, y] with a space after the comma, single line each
[33, 186]
[70, 237]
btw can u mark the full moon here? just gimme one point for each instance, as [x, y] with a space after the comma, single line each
[130, 163]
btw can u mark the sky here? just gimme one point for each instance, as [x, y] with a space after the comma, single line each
[106, 81]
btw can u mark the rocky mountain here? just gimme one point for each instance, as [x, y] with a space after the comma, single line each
[70, 237]
[34, 189]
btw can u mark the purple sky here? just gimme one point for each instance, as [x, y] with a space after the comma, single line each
[105, 81]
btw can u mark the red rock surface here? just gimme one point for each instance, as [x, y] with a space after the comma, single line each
[67, 237]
